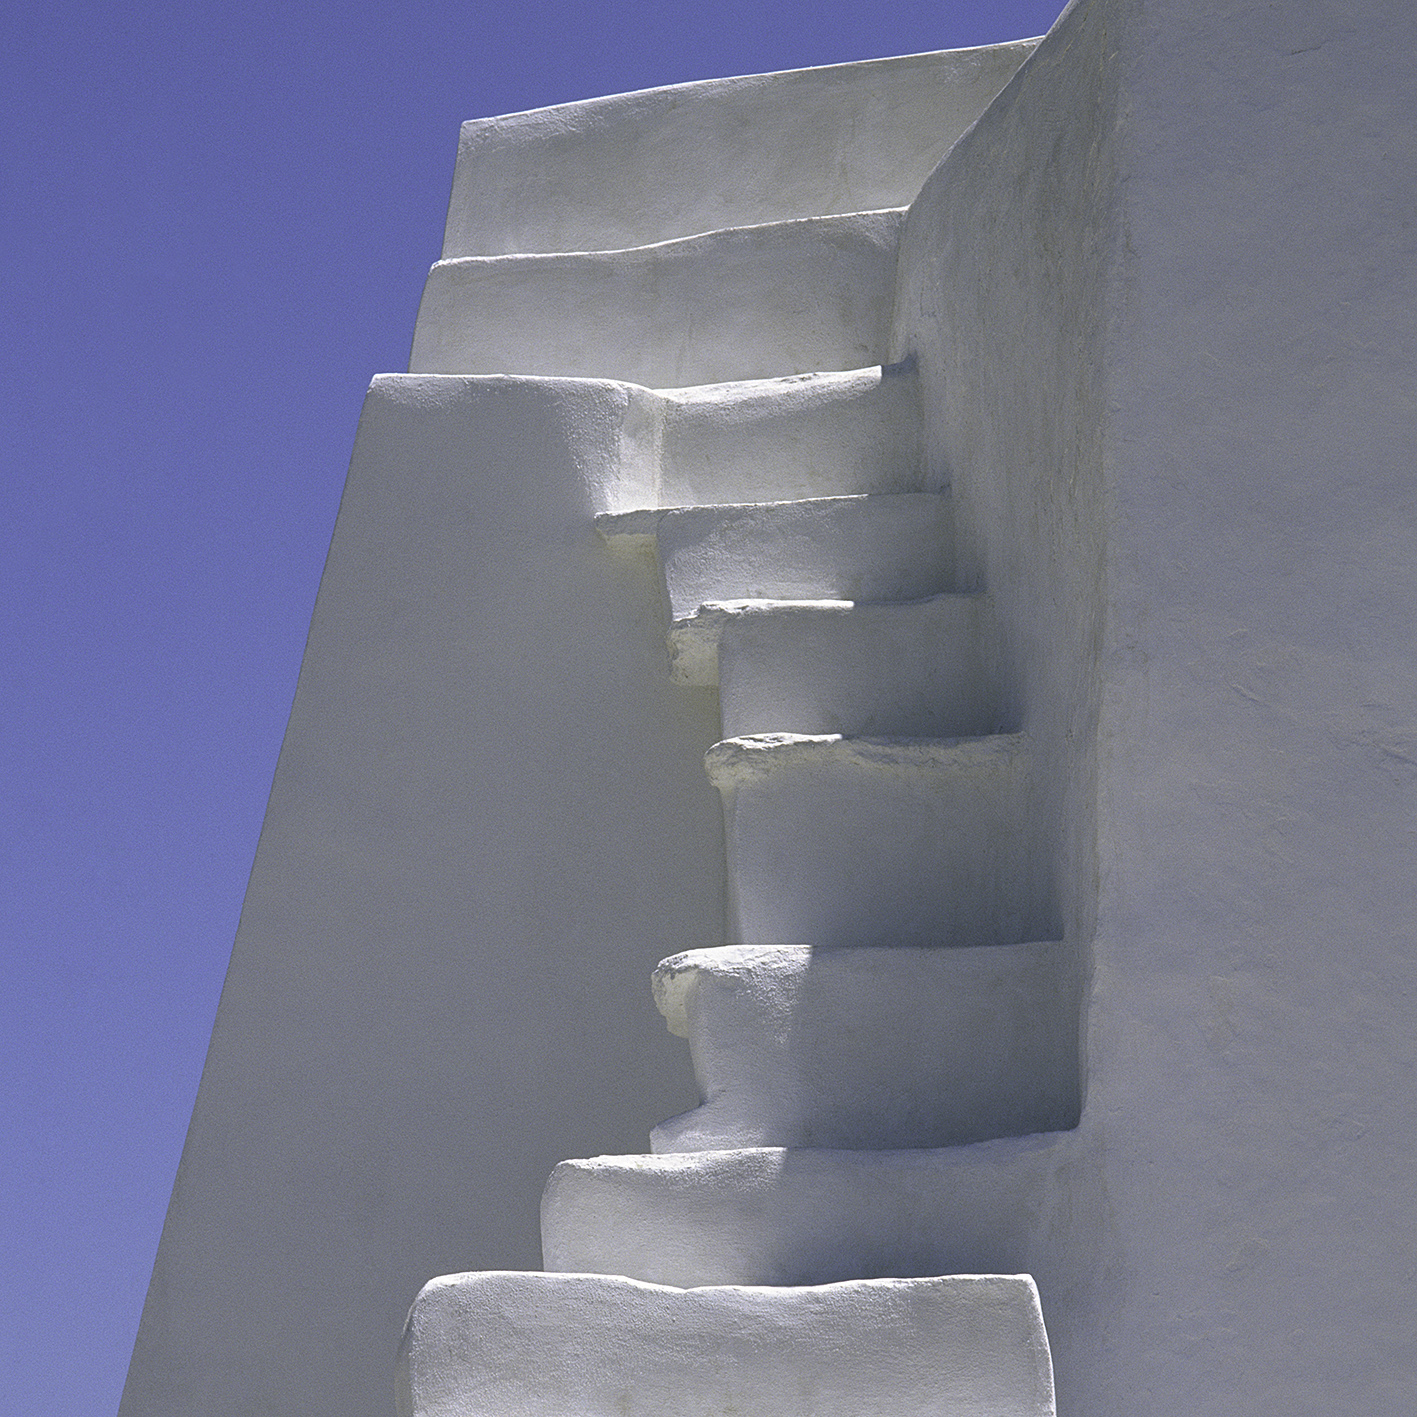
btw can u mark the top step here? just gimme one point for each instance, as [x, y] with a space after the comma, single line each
[639, 168]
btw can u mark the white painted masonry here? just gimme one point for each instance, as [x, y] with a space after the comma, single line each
[639, 168]
[749, 303]
[878, 1048]
[609, 1347]
[1104, 403]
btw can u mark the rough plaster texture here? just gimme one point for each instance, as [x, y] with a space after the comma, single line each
[645, 167]
[1005, 293]
[871, 1048]
[749, 303]
[1157, 304]
[439, 984]
[1252, 1049]
[810, 435]
[883, 547]
[1166, 356]
[482, 1345]
[919, 669]
[813, 1216]
[839, 842]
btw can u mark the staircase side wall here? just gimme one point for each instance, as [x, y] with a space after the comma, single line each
[1003, 299]
[1162, 299]
[489, 821]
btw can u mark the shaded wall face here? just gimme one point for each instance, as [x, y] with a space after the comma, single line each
[489, 822]
[1004, 300]
[1168, 359]
[1253, 1053]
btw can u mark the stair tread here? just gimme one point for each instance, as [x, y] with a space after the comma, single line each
[799, 435]
[646, 521]
[516, 1344]
[864, 547]
[749, 756]
[775, 1215]
[723, 306]
[877, 841]
[695, 238]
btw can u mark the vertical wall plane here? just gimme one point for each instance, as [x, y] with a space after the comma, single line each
[1013, 449]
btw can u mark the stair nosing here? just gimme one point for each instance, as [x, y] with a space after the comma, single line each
[534, 257]
[751, 756]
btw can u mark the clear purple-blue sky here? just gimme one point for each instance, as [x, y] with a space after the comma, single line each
[216, 223]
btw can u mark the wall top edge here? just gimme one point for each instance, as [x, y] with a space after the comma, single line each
[694, 87]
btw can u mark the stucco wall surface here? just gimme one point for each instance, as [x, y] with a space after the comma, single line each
[748, 303]
[489, 822]
[1255, 1008]
[603, 1346]
[1161, 298]
[1003, 300]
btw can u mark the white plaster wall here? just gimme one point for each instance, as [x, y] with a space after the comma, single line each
[489, 821]
[1252, 1063]
[749, 303]
[1002, 298]
[1162, 300]
[644, 167]
[603, 1346]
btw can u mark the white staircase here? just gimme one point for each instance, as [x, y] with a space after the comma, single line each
[893, 1018]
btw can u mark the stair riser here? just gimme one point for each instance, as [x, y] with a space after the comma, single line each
[752, 303]
[821, 436]
[916, 670]
[876, 548]
[876, 1049]
[811, 1217]
[834, 852]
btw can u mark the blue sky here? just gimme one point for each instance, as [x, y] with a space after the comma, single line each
[216, 224]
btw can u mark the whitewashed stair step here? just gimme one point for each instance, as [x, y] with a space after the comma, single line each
[891, 546]
[807, 435]
[633, 168]
[776, 1216]
[509, 1344]
[921, 668]
[744, 303]
[879, 1048]
[838, 842]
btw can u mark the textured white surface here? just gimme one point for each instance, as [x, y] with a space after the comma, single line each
[651, 166]
[1159, 302]
[769, 1216]
[541, 1345]
[438, 987]
[922, 668]
[839, 842]
[1174, 389]
[753, 302]
[811, 435]
[882, 1048]
[889, 546]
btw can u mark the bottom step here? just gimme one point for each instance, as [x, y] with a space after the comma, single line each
[578, 1345]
